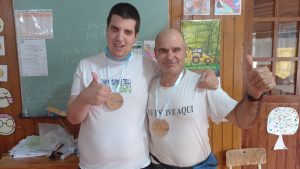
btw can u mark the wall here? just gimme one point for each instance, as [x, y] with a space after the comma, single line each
[79, 31]
[223, 136]
[82, 35]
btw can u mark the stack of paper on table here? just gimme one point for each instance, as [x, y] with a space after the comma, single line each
[31, 146]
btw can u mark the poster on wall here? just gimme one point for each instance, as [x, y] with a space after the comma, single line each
[3, 73]
[285, 69]
[149, 48]
[282, 121]
[228, 7]
[2, 46]
[8, 124]
[203, 42]
[5, 98]
[196, 7]
[35, 23]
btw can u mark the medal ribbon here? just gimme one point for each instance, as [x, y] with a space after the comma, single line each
[127, 58]
[170, 94]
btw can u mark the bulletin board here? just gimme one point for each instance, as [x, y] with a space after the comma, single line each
[79, 31]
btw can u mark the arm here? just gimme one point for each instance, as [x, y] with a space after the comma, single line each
[259, 80]
[94, 95]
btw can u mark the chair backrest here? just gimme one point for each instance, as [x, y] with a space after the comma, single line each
[246, 156]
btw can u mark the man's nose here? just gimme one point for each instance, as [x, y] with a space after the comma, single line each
[170, 54]
[120, 36]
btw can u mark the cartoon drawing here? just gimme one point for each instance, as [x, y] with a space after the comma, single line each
[7, 124]
[282, 121]
[5, 98]
[196, 7]
[227, 7]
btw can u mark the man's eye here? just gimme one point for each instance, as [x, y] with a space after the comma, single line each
[176, 50]
[163, 51]
[128, 33]
[114, 29]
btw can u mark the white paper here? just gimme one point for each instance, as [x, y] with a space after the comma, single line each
[228, 7]
[31, 146]
[2, 46]
[33, 57]
[137, 47]
[149, 48]
[1, 24]
[34, 23]
[282, 121]
[280, 144]
[3, 73]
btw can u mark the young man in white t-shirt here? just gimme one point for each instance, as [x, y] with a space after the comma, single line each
[178, 111]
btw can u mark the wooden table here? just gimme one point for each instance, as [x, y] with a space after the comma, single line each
[38, 163]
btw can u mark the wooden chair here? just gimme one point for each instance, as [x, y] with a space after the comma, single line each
[246, 156]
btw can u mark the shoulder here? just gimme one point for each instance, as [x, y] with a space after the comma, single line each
[93, 59]
[192, 75]
[149, 64]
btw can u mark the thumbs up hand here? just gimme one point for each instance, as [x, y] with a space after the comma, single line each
[259, 80]
[95, 94]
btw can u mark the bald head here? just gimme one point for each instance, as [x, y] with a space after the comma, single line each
[168, 34]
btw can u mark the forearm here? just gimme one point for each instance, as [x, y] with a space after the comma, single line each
[245, 113]
[77, 110]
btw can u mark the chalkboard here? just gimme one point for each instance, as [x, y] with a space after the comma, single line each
[79, 31]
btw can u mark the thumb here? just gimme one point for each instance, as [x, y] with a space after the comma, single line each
[95, 77]
[249, 63]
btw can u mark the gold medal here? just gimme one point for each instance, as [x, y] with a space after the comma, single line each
[160, 127]
[115, 101]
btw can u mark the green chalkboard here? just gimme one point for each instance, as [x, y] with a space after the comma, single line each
[79, 31]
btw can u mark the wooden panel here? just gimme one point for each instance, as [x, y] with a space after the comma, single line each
[39, 163]
[10, 59]
[276, 159]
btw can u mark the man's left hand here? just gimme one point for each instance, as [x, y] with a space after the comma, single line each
[208, 80]
[259, 80]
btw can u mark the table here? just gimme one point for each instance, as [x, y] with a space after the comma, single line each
[38, 163]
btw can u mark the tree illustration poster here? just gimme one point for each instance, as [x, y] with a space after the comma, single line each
[203, 44]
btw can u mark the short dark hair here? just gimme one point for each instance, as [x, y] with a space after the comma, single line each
[126, 11]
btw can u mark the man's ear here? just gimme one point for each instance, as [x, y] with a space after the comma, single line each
[155, 53]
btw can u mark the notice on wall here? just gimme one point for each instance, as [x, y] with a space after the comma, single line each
[3, 73]
[33, 57]
[203, 44]
[196, 7]
[228, 7]
[2, 46]
[34, 24]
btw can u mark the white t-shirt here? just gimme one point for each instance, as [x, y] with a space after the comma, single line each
[115, 139]
[188, 112]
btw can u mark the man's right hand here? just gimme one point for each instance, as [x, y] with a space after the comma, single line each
[96, 93]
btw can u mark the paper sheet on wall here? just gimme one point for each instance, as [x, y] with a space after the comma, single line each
[34, 23]
[282, 121]
[196, 7]
[149, 48]
[33, 57]
[228, 7]
[2, 46]
[3, 73]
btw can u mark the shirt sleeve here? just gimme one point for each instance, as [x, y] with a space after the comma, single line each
[77, 85]
[219, 104]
